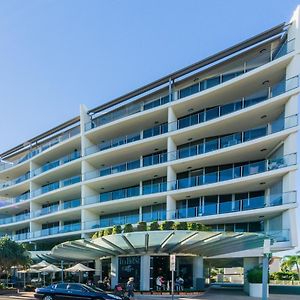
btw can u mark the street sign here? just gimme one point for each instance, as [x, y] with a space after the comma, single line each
[172, 262]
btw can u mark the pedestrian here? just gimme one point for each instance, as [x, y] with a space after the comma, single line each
[158, 284]
[130, 288]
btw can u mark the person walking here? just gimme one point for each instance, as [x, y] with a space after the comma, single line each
[130, 288]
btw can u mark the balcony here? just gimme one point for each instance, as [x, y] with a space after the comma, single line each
[240, 69]
[18, 199]
[147, 133]
[235, 172]
[15, 219]
[218, 208]
[202, 148]
[229, 173]
[57, 207]
[14, 181]
[56, 185]
[57, 230]
[201, 117]
[54, 164]
[58, 139]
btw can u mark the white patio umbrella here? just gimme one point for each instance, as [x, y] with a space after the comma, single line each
[30, 270]
[50, 269]
[79, 268]
[40, 265]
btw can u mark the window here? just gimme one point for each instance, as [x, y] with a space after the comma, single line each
[61, 286]
[76, 287]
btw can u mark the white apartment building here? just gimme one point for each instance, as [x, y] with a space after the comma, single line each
[213, 143]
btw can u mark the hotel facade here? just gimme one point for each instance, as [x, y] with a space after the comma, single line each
[213, 143]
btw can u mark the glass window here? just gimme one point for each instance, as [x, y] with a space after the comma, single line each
[211, 175]
[61, 286]
[230, 140]
[211, 82]
[212, 113]
[256, 98]
[211, 144]
[226, 172]
[210, 205]
[255, 133]
[190, 90]
[241, 227]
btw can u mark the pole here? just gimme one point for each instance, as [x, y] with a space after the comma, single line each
[265, 277]
[62, 270]
[172, 286]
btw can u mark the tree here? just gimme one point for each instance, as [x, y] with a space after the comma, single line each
[12, 254]
[290, 262]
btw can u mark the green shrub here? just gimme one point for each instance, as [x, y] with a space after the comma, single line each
[142, 226]
[154, 226]
[284, 276]
[101, 233]
[255, 275]
[201, 227]
[167, 225]
[117, 229]
[95, 235]
[180, 226]
[107, 231]
[192, 226]
[128, 228]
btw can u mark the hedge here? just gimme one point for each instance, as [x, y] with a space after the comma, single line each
[153, 226]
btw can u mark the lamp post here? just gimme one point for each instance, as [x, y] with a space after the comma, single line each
[265, 274]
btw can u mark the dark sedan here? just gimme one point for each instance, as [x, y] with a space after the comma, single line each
[63, 291]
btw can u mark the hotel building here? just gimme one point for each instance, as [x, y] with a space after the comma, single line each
[213, 143]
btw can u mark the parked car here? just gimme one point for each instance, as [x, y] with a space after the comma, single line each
[63, 291]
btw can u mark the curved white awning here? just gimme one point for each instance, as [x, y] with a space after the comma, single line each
[203, 243]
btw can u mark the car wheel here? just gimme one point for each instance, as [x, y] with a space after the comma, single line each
[48, 297]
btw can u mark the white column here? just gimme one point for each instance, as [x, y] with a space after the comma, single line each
[98, 268]
[114, 275]
[249, 263]
[145, 273]
[198, 271]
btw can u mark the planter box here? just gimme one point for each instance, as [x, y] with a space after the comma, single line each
[255, 290]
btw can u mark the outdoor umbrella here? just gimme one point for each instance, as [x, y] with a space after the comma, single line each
[28, 271]
[50, 269]
[40, 265]
[79, 268]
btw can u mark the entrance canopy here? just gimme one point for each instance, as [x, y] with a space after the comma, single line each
[203, 243]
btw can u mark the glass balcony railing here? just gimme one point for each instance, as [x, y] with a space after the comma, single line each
[111, 221]
[57, 207]
[127, 166]
[14, 181]
[18, 199]
[15, 219]
[57, 230]
[147, 133]
[201, 117]
[240, 68]
[56, 185]
[208, 178]
[234, 172]
[20, 236]
[202, 148]
[245, 102]
[208, 209]
[53, 164]
[58, 139]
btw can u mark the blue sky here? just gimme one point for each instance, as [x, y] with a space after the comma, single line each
[57, 54]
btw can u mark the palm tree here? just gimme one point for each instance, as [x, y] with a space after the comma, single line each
[291, 261]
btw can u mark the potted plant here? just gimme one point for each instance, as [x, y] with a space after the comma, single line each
[254, 277]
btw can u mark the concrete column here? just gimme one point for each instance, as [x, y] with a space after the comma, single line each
[114, 275]
[98, 268]
[145, 273]
[171, 207]
[171, 149]
[249, 263]
[198, 270]
[289, 230]
[172, 124]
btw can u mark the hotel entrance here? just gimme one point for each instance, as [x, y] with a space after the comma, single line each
[160, 275]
